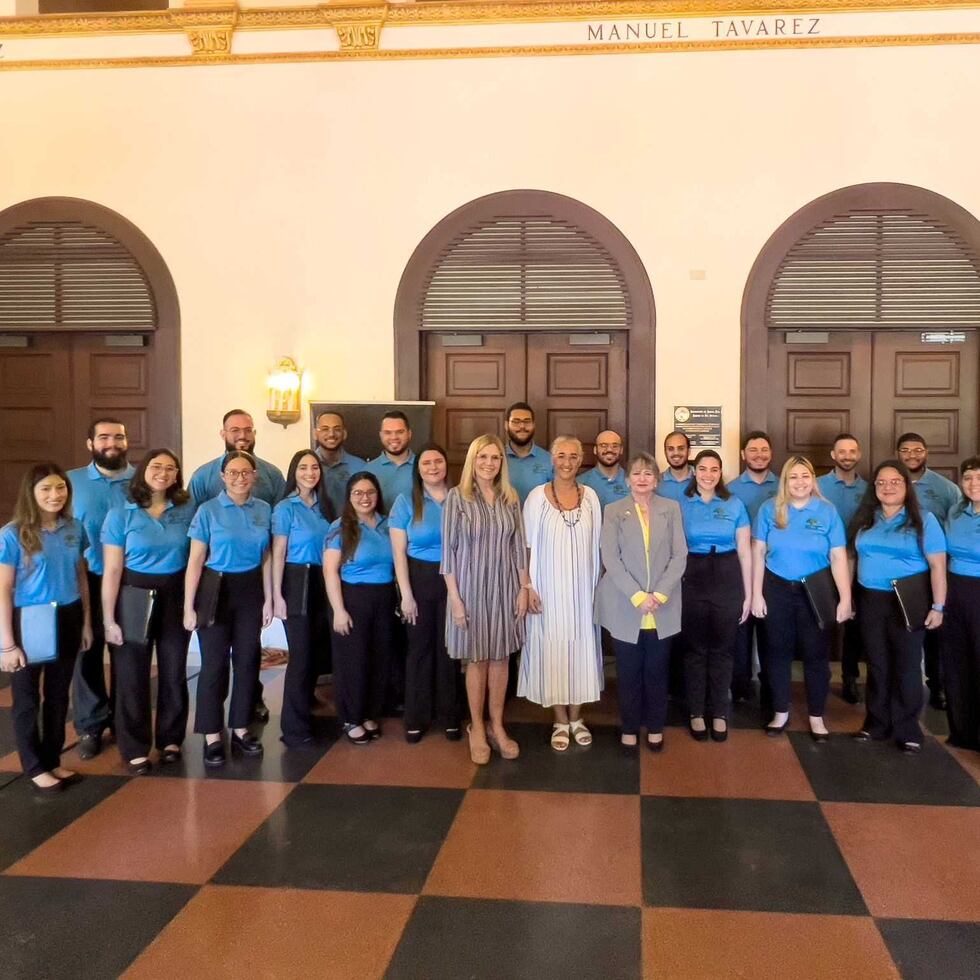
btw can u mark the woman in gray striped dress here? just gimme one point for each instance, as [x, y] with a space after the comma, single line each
[484, 562]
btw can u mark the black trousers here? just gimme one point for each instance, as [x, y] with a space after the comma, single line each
[432, 679]
[307, 636]
[713, 598]
[39, 745]
[361, 659]
[894, 693]
[847, 641]
[932, 658]
[961, 660]
[791, 629]
[233, 641]
[92, 700]
[745, 633]
[642, 671]
[132, 661]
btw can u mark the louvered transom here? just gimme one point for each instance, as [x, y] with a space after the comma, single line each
[525, 273]
[71, 276]
[881, 268]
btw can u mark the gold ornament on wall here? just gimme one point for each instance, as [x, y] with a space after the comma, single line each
[284, 384]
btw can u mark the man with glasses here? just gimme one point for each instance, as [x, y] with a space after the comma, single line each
[937, 495]
[337, 464]
[528, 465]
[607, 477]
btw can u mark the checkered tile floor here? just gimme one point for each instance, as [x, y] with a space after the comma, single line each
[755, 858]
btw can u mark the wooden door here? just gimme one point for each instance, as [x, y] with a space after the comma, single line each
[36, 422]
[577, 389]
[817, 391]
[930, 389]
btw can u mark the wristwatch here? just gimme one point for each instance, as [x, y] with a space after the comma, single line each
[938, 607]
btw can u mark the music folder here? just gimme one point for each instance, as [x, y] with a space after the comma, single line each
[821, 590]
[134, 611]
[296, 588]
[37, 627]
[914, 594]
[206, 599]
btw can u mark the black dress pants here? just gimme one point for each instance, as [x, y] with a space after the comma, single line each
[642, 671]
[847, 638]
[92, 700]
[133, 714]
[361, 659]
[791, 629]
[742, 672]
[233, 641]
[894, 691]
[307, 635]
[932, 659]
[961, 660]
[432, 679]
[39, 746]
[713, 598]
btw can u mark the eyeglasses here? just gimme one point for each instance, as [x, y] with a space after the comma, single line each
[911, 452]
[159, 468]
[521, 423]
[235, 433]
[889, 483]
[609, 445]
[239, 474]
[362, 494]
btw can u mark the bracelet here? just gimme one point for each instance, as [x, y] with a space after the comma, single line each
[938, 607]
[9, 649]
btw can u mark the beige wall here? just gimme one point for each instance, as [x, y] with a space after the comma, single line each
[286, 199]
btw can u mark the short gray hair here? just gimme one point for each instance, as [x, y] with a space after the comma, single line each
[648, 461]
[560, 439]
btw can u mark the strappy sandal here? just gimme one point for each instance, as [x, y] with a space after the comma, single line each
[560, 739]
[580, 733]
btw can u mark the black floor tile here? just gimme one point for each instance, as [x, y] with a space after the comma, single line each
[358, 838]
[845, 771]
[597, 768]
[752, 855]
[935, 721]
[27, 821]
[62, 927]
[453, 938]
[930, 950]
[278, 763]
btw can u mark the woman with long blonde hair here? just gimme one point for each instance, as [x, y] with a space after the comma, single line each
[797, 535]
[484, 562]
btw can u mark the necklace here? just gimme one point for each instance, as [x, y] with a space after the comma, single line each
[576, 511]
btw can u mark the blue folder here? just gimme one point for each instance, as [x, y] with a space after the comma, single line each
[39, 632]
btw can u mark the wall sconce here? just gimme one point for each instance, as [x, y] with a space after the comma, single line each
[284, 383]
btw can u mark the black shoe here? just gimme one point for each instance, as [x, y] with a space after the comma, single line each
[89, 745]
[937, 700]
[911, 748]
[413, 737]
[774, 731]
[819, 736]
[373, 733]
[629, 751]
[698, 736]
[849, 690]
[296, 741]
[247, 744]
[57, 787]
[719, 736]
[139, 768]
[454, 734]
[170, 756]
[862, 736]
[363, 739]
[214, 753]
[655, 746]
[75, 777]
[260, 712]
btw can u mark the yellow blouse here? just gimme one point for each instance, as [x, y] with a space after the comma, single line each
[649, 621]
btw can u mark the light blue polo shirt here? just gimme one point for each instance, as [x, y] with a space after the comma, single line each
[237, 536]
[607, 490]
[937, 495]
[425, 536]
[206, 483]
[670, 487]
[335, 477]
[803, 546]
[154, 546]
[304, 528]
[846, 497]
[93, 496]
[50, 575]
[963, 541]
[530, 471]
[753, 494]
[395, 478]
[889, 550]
[372, 563]
[712, 524]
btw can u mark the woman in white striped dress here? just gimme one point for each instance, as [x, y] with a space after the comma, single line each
[561, 664]
[484, 562]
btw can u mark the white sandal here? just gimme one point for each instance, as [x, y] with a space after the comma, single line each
[560, 737]
[580, 733]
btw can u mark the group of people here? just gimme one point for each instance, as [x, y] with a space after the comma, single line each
[391, 578]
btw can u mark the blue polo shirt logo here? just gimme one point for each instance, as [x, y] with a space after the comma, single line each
[720, 514]
[814, 524]
[71, 538]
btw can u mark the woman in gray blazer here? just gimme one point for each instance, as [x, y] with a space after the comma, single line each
[638, 598]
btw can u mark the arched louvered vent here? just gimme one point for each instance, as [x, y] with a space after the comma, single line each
[525, 273]
[67, 275]
[891, 268]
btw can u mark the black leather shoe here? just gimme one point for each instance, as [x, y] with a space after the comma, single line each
[655, 746]
[862, 736]
[413, 737]
[774, 731]
[849, 690]
[454, 734]
[51, 790]
[819, 736]
[937, 700]
[214, 753]
[89, 745]
[698, 736]
[170, 756]
[247, 744]
[75, 777]
[139, 768]
[719, 736]
[260, 712]
[373, 733]
[911, 748]
[363, 739]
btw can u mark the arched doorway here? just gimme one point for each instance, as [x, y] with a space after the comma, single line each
[527, 295]
[861, 315]
[89, 326]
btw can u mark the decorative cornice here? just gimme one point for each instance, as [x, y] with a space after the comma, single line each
[208, 29]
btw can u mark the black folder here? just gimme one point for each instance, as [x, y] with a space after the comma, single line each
[296, 588]
[914, 594]
[206, 599]
[36, 632]
[821, 590]
[134, 610]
